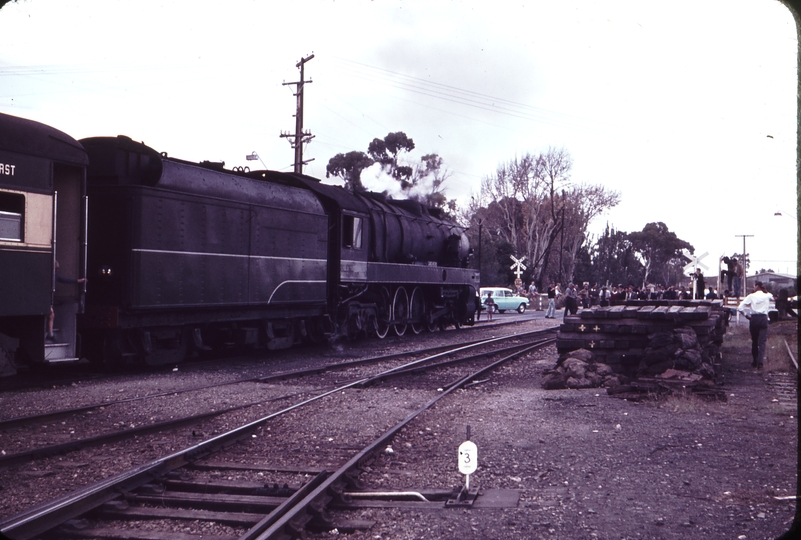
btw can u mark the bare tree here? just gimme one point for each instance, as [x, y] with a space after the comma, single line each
[544, 209]
[532, 205]
[427, 183]
[585, 203]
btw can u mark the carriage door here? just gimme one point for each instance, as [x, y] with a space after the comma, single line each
[69, 250]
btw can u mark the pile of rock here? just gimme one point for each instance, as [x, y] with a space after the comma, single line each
[578, 369]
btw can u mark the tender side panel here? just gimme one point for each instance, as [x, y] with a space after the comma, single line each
[188, 251]
[192, 252]
[288, 261]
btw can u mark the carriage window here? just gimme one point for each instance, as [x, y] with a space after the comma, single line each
[352, 232]
[12, 207]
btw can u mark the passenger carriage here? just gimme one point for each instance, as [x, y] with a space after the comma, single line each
[42, 220]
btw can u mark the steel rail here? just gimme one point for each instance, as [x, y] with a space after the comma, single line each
[283, 526]
[29, 419]
[445, 363]
[115, 436]
[375, 359]
[790, 352]
[39, 519]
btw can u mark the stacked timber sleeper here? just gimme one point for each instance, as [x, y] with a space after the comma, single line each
[628, 337]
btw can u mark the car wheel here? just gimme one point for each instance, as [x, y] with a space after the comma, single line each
[521, 308]
[499, 310]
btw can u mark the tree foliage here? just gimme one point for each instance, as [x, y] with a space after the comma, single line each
[660, 252]
[385, 151]
[349, 168]
[423, 181]
[612, 260]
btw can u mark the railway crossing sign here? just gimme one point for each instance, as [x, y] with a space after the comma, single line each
[695, 262]
[518, 267]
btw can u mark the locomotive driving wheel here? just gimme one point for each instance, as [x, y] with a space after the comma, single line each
[383, 314]
[417, 312]
[431, 323]
[400, 310]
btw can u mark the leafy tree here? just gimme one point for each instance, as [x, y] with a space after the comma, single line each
[349, 168]
[744, 260]
[424, 182]
[660, 251]
[385, 151]
[613, 259]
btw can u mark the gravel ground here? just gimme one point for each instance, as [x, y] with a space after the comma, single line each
[585, 465]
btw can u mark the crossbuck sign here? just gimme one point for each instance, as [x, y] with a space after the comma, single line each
[518, 267]
[695, 262]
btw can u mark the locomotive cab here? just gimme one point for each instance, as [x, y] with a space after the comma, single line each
[42, 226]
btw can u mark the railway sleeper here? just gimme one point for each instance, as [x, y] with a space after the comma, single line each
[320, 519]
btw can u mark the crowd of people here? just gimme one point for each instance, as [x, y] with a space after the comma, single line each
[589, 296]
[574, 297]
[755, 306]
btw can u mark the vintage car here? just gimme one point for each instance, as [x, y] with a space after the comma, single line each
[505, 299]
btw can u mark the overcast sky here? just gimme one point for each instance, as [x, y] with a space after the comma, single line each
[686, 108]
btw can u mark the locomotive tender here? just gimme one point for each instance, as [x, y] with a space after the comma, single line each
[187, 256]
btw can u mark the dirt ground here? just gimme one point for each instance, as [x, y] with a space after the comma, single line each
[587, 465]
[582, 464]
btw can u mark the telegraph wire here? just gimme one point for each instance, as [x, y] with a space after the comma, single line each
[458, 95]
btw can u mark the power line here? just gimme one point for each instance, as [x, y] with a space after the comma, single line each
[457, 95]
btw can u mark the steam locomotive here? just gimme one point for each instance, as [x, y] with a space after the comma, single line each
[183, 256]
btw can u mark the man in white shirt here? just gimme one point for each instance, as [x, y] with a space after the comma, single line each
[755, 307]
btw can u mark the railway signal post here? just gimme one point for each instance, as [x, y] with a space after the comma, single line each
[468, 463]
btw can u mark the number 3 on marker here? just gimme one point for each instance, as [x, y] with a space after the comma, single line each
[468, 457]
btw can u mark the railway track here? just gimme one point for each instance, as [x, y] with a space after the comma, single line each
[30, 429]
[233, 491]
[784, 386]
[60, 375]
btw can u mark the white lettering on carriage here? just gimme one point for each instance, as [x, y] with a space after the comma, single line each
[7, 169]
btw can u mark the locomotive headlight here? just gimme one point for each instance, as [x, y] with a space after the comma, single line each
[105, 271]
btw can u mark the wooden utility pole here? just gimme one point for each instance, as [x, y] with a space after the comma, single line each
[745, 268]
[299, 137]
